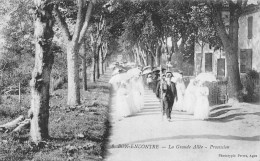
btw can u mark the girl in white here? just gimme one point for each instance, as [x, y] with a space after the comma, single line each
[122, 104]
[190, 97]
[201, 110]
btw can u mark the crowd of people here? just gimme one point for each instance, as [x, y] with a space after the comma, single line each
[129, 91]
[169, 88]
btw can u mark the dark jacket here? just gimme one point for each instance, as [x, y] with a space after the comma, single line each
[169, 91]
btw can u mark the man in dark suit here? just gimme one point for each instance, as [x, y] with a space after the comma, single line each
[169, 93]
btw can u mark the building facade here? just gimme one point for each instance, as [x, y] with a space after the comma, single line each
[206, 59]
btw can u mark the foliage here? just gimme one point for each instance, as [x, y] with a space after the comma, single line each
[16, 59]
[66, 123]
[205, 31]
[253, 74]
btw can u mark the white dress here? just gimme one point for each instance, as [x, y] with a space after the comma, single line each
[130, 98]
[190, 98]
[138, 90]
[122, 107]
[180, 87]
[201, 110]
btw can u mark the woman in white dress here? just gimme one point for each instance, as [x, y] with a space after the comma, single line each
[180, 86]
[130, 96]
[138, 90]
[201, 110]
[122, 104]
[190, 97]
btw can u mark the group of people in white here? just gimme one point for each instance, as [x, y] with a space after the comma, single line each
[129, 92]
[193, 99]
[129, 95]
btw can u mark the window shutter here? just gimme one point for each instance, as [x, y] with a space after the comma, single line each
[221, 67]
[245, 60]
[208, 62]
[250, 27]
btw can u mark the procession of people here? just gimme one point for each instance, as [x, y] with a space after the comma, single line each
[169, 87]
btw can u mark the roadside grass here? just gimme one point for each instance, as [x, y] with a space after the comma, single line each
[76, 133]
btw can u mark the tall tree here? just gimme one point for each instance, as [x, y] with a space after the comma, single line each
[40, 83]
[177, 25]
[74, 41]
[229, 40]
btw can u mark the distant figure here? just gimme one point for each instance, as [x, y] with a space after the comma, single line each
[155, 81]
[180, 86]
[201, 110]
[149, 81]
[169, 93]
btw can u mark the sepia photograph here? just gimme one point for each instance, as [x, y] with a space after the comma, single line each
[129, 80]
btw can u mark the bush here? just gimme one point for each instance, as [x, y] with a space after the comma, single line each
[249, 82]
[253, 74]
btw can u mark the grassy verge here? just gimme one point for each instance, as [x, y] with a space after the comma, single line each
[76, 133]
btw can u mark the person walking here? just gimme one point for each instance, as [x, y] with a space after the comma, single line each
[201, 109]
[169, 93]
[149, 81]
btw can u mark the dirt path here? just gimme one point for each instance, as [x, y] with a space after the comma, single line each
[232, 134]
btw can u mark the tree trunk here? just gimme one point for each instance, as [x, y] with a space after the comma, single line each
[179, 55]
[144, 60]
[84, 67]
[40, 82]
[101, 61]
[152, 60]
[158, 55]
[139, 60]
[97, 64]
[230, 43]
[73, 74]
[234, 83]
[73, 44]
[103, 67]
[93, 78]
[135, 55]
[202, 57]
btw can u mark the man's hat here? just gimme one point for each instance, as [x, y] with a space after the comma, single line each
[169, 74]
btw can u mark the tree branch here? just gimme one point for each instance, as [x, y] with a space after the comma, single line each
[218, 22]
[63, 25]
[86, 23]
[80, 20]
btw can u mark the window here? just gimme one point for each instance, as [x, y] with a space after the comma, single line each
[221, 67]
[208, 62]
[250, 27]
[198, 63]
[245, 60]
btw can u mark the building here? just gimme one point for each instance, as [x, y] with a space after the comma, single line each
[249, 39]
[206, 59]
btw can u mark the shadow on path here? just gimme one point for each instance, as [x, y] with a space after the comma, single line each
[232, 117]
[214, 137]
[220, 107]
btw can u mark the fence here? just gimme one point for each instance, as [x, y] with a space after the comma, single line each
[217, 91]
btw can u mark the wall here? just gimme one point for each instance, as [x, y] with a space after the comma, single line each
[254, 43]
[215, 56]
